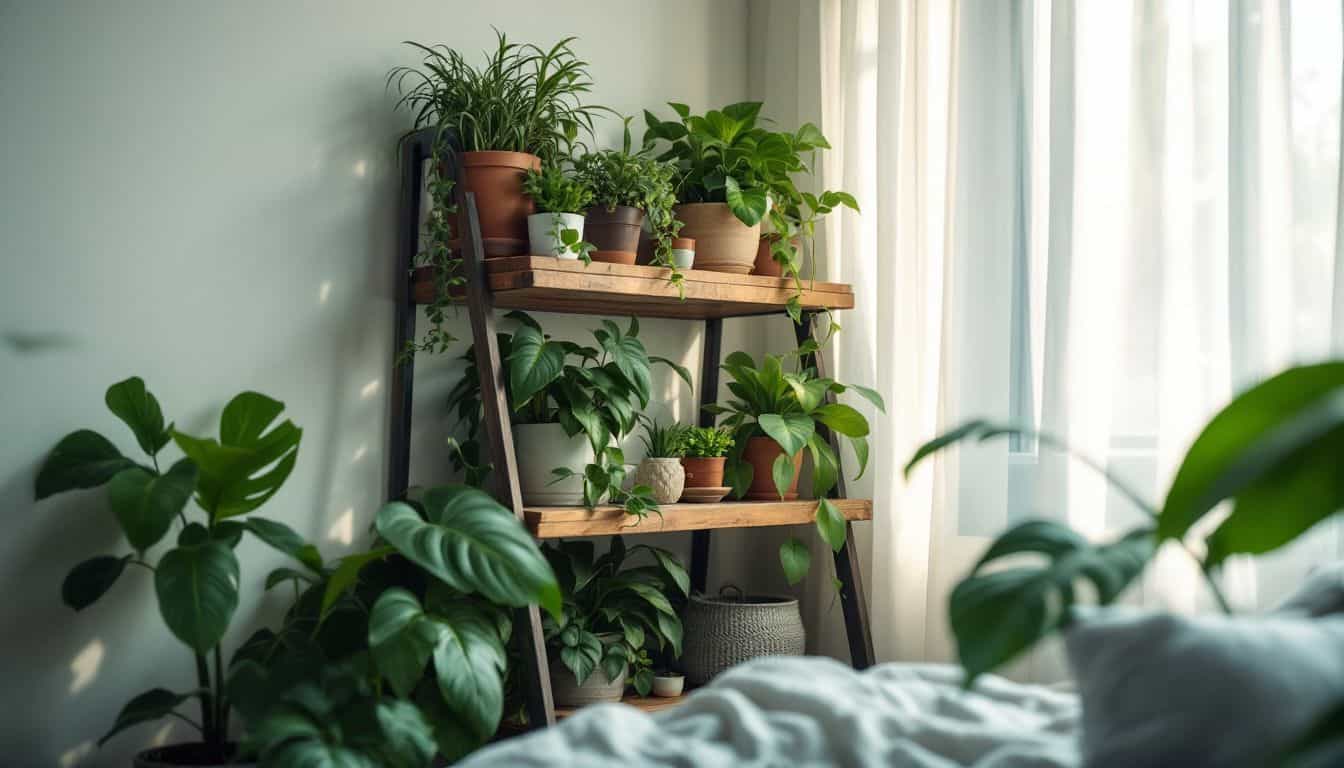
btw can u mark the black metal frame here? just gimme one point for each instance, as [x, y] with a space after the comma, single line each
[416, 148]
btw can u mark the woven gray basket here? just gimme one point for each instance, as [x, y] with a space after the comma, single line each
[732, 628]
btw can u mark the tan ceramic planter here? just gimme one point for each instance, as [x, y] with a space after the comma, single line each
[722, 243]
[665, 476]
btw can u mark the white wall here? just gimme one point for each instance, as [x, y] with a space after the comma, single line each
[204, 194]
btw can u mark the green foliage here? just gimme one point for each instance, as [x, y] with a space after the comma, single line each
[522, 99]
[197, 580]
[795, 559]
[614, 613]
[662, 442]
[436, 252]
[1273, 453]
[555, 191]
[706, 442]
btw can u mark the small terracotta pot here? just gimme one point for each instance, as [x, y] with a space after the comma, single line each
[614, 233]
[765, 263]
[761, 453]
[496, 178]
[703, 472]
[722, 243]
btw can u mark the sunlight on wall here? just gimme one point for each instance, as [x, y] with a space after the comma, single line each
[84, 667]
[370, 389]
[161, 735]
[74, 755]
[343, 530]
[361, 168]
[359, 453]
[324, 292]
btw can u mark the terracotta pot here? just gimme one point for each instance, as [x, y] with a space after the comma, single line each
[703, 472]
[193, 755]
[496, 178]
[765, 263]
[614, 233]
[760, 454]
[722, 243]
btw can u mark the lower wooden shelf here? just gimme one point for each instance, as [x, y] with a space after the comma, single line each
[562, 522]
[646, 703]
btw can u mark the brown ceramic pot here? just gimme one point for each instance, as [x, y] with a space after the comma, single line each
[761, 453]
[765, 263]
[496, 178]
[703, 472]
[722, 243]
[614, 233]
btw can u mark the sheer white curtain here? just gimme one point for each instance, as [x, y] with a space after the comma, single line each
[1101, 218]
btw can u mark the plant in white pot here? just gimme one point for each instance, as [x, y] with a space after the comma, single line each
[612, 614]
[661, 469]
[557, 227]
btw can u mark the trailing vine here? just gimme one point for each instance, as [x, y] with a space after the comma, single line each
[437, 251]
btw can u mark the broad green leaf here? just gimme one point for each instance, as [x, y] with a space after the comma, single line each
[871, 395]
[347, 574]
[670, 627]
[228, 531]
[998, 615]
[809, 393]
[1265, 434]
[91, 579]
[681, 370]
[631, 359]
[795, 559]
[145, 504]
[82, 459]
[286, 540]
[138, 408]
[643, 681]
[748, 205]
[810, 136]
[473, 544]
[831, 525]
[282, 575]
[149, 706]
[860, 445]
[401, 639]
[633, 633]
[673, 567]
[613, 662]
[789, 432]
[825, 465]
[583, 656]
[842, 419]
[781, 471]
[533, 363]
[406, 739]
[198, 592]
[469, 664]
[743, 112]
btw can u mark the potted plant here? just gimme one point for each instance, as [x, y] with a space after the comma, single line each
[628, 188]
[774, 417]
[661, 469]
[725, 164]
[523, 106]
[611, 613]
[793, 213]
[704, 451]
[668, 684]
[196, 580]
[556, 229]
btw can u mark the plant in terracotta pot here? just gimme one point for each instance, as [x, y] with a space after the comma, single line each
[196, 581]
[661, 469]
[704, 451]
[612, 612]
[725, 164]
[522, 106]
[628, 188]
[556, 229]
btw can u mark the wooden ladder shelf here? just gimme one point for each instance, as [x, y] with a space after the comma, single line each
[551, 285]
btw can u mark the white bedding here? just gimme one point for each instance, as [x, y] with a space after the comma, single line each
[808, 711]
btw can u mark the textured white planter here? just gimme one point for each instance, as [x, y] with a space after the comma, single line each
[595, 690]
[544, 237]
[666, 477]
[541, 448]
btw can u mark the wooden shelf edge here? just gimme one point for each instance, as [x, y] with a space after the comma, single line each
[645, 703]
[568, 522]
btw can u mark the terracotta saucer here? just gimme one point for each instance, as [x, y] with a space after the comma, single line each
[705, 495]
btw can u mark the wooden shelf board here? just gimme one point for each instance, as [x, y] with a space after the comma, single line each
[564, 522]
[547, 284]
[646, 703]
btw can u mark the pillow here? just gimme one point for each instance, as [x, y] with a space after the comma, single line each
[1161, 689]
[1321, 594]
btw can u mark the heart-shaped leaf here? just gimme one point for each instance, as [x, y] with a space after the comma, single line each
[82, 459]
[139, 409]
[789, 432]
[347, 574]
[145, 504]
[632, 361]
[781, 471]
[533, 363]
[469, 663]
[831, 525]
[825, 466]
[795, 559]
[681, 370]
[473, 544]
[842, 419]
[149, 706]
[748, 205]
[286, 540]
[401, 639]
[198, 592]
[91, 579]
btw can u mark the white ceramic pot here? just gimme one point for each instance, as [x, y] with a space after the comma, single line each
[668, 685]
[543, 233]
[666, 477]
[683, 257]
[541, 448]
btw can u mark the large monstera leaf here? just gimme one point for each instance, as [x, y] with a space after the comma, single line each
[197, 585]
[998, 614]
[249, 462]
[627, 353]
[533, 362]
[470, 542]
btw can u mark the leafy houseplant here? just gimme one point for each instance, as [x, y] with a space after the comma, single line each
[196, 581]
[523, 106]
[557, 227]
[774, 415]
[661, 469]
[704, 451]
[794, 213]
[398, 652]
[612, 613]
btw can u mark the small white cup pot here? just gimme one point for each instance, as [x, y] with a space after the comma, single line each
[544, 231]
